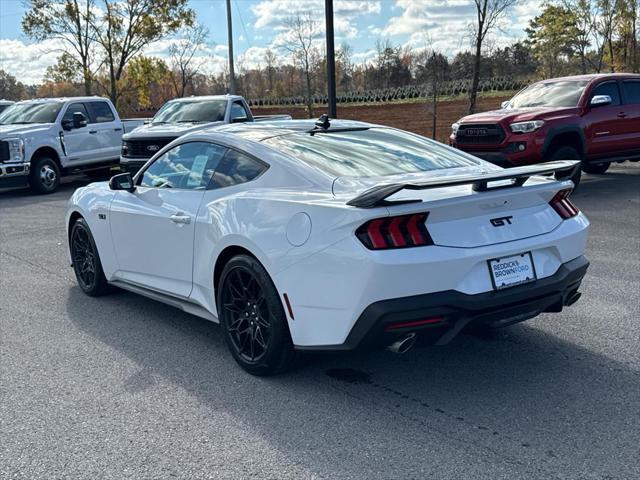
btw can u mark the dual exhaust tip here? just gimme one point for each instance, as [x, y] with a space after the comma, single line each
[403, 344]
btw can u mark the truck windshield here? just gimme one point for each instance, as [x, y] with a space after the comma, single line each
[550, 94]
[31, 112]
[196, 111]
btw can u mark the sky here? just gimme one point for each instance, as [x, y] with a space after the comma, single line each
[259, 24]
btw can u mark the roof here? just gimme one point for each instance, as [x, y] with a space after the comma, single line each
[65, 99]
[259, 131]
[593, 76]
[207, 97]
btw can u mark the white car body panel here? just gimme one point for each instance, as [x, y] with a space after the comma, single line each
[295, 221]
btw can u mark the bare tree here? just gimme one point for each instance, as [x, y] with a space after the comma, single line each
[270, 60]
[184, 61]
[489, 13]
[303, 29]
[68, 21]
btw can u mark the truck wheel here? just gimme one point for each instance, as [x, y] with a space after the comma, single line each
[596, 168]
[44, 176]
[568, 153]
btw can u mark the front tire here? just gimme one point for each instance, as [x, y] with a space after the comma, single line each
[568, 153]
[86, 261]
[596, 168]
[44, 176]
[252, 318]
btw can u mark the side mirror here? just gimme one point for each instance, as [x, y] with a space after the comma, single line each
[122, 181]
[504, 105]
[79, 120]
[67, 124]
[600, 100]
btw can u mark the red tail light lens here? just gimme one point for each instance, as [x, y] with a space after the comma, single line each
[563, 206]
[395, 232]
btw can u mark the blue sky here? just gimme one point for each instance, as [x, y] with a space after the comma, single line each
[259, 24]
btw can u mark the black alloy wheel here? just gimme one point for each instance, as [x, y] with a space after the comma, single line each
[86, 261]
[253, 319]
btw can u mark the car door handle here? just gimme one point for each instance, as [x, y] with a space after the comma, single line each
[622, 115]
[93, 131]
[180, 218]
[117, 129]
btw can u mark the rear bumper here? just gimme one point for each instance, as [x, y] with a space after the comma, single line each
[456, 310]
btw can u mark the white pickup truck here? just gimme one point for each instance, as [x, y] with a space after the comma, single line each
[180, 116]
[43, 139]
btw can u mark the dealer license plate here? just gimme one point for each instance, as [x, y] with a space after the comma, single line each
[512, 270]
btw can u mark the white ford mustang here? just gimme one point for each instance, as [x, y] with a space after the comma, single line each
[331, 236]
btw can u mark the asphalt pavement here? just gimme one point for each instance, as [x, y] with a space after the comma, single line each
[124, 387]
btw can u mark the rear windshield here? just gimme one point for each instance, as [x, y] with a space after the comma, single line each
[196, 111]
[550, 94]
[369, 153]
[33, 112]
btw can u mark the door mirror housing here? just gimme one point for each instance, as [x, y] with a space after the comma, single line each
[67, 124]
[122, 181]
[600, 100]
[79, 120]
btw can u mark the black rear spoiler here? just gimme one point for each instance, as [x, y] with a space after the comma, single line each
[376, 196]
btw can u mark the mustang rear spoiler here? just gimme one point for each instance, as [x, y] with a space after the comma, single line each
[376, 196]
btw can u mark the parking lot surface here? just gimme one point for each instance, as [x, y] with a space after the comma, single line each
[124, 387]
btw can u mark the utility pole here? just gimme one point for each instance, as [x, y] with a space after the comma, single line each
[232, 76]
[331, 59]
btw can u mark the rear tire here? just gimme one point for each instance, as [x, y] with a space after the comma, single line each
[252, 318]
[568, 153]
[44, 176]
[596, 168]
[86, 261]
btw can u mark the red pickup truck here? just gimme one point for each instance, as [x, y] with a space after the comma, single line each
[593, 118]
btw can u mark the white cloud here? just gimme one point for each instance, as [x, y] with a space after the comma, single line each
[28, 62]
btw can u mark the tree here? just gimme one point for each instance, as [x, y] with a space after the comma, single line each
[10, 88]
[68, 21]
[126, 27]
[303, 29]
[489, 13]
[271, 61]
[553, 35]
[183, 57]
[66, 70]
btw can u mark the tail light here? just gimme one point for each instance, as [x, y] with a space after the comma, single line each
[395, 232]
[562, 205]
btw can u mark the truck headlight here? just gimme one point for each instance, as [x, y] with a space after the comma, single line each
[454, 128]
[16, 149]
[526, 127]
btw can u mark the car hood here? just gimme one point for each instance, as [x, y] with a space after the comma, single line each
[167, 130]
[10, 130]
[510, 115]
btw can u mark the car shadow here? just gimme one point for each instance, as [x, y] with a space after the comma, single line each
[523, 392]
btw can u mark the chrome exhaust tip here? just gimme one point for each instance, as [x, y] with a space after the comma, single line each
[403, 345]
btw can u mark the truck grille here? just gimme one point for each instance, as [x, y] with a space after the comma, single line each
[146, 148]
[480, 134]
[4, 151]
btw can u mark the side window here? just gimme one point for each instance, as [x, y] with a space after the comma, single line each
[236, 168]
[609, 88]
[238, 112]
[188, 166]
[631, 89]
[73, 108]
[101, 112]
